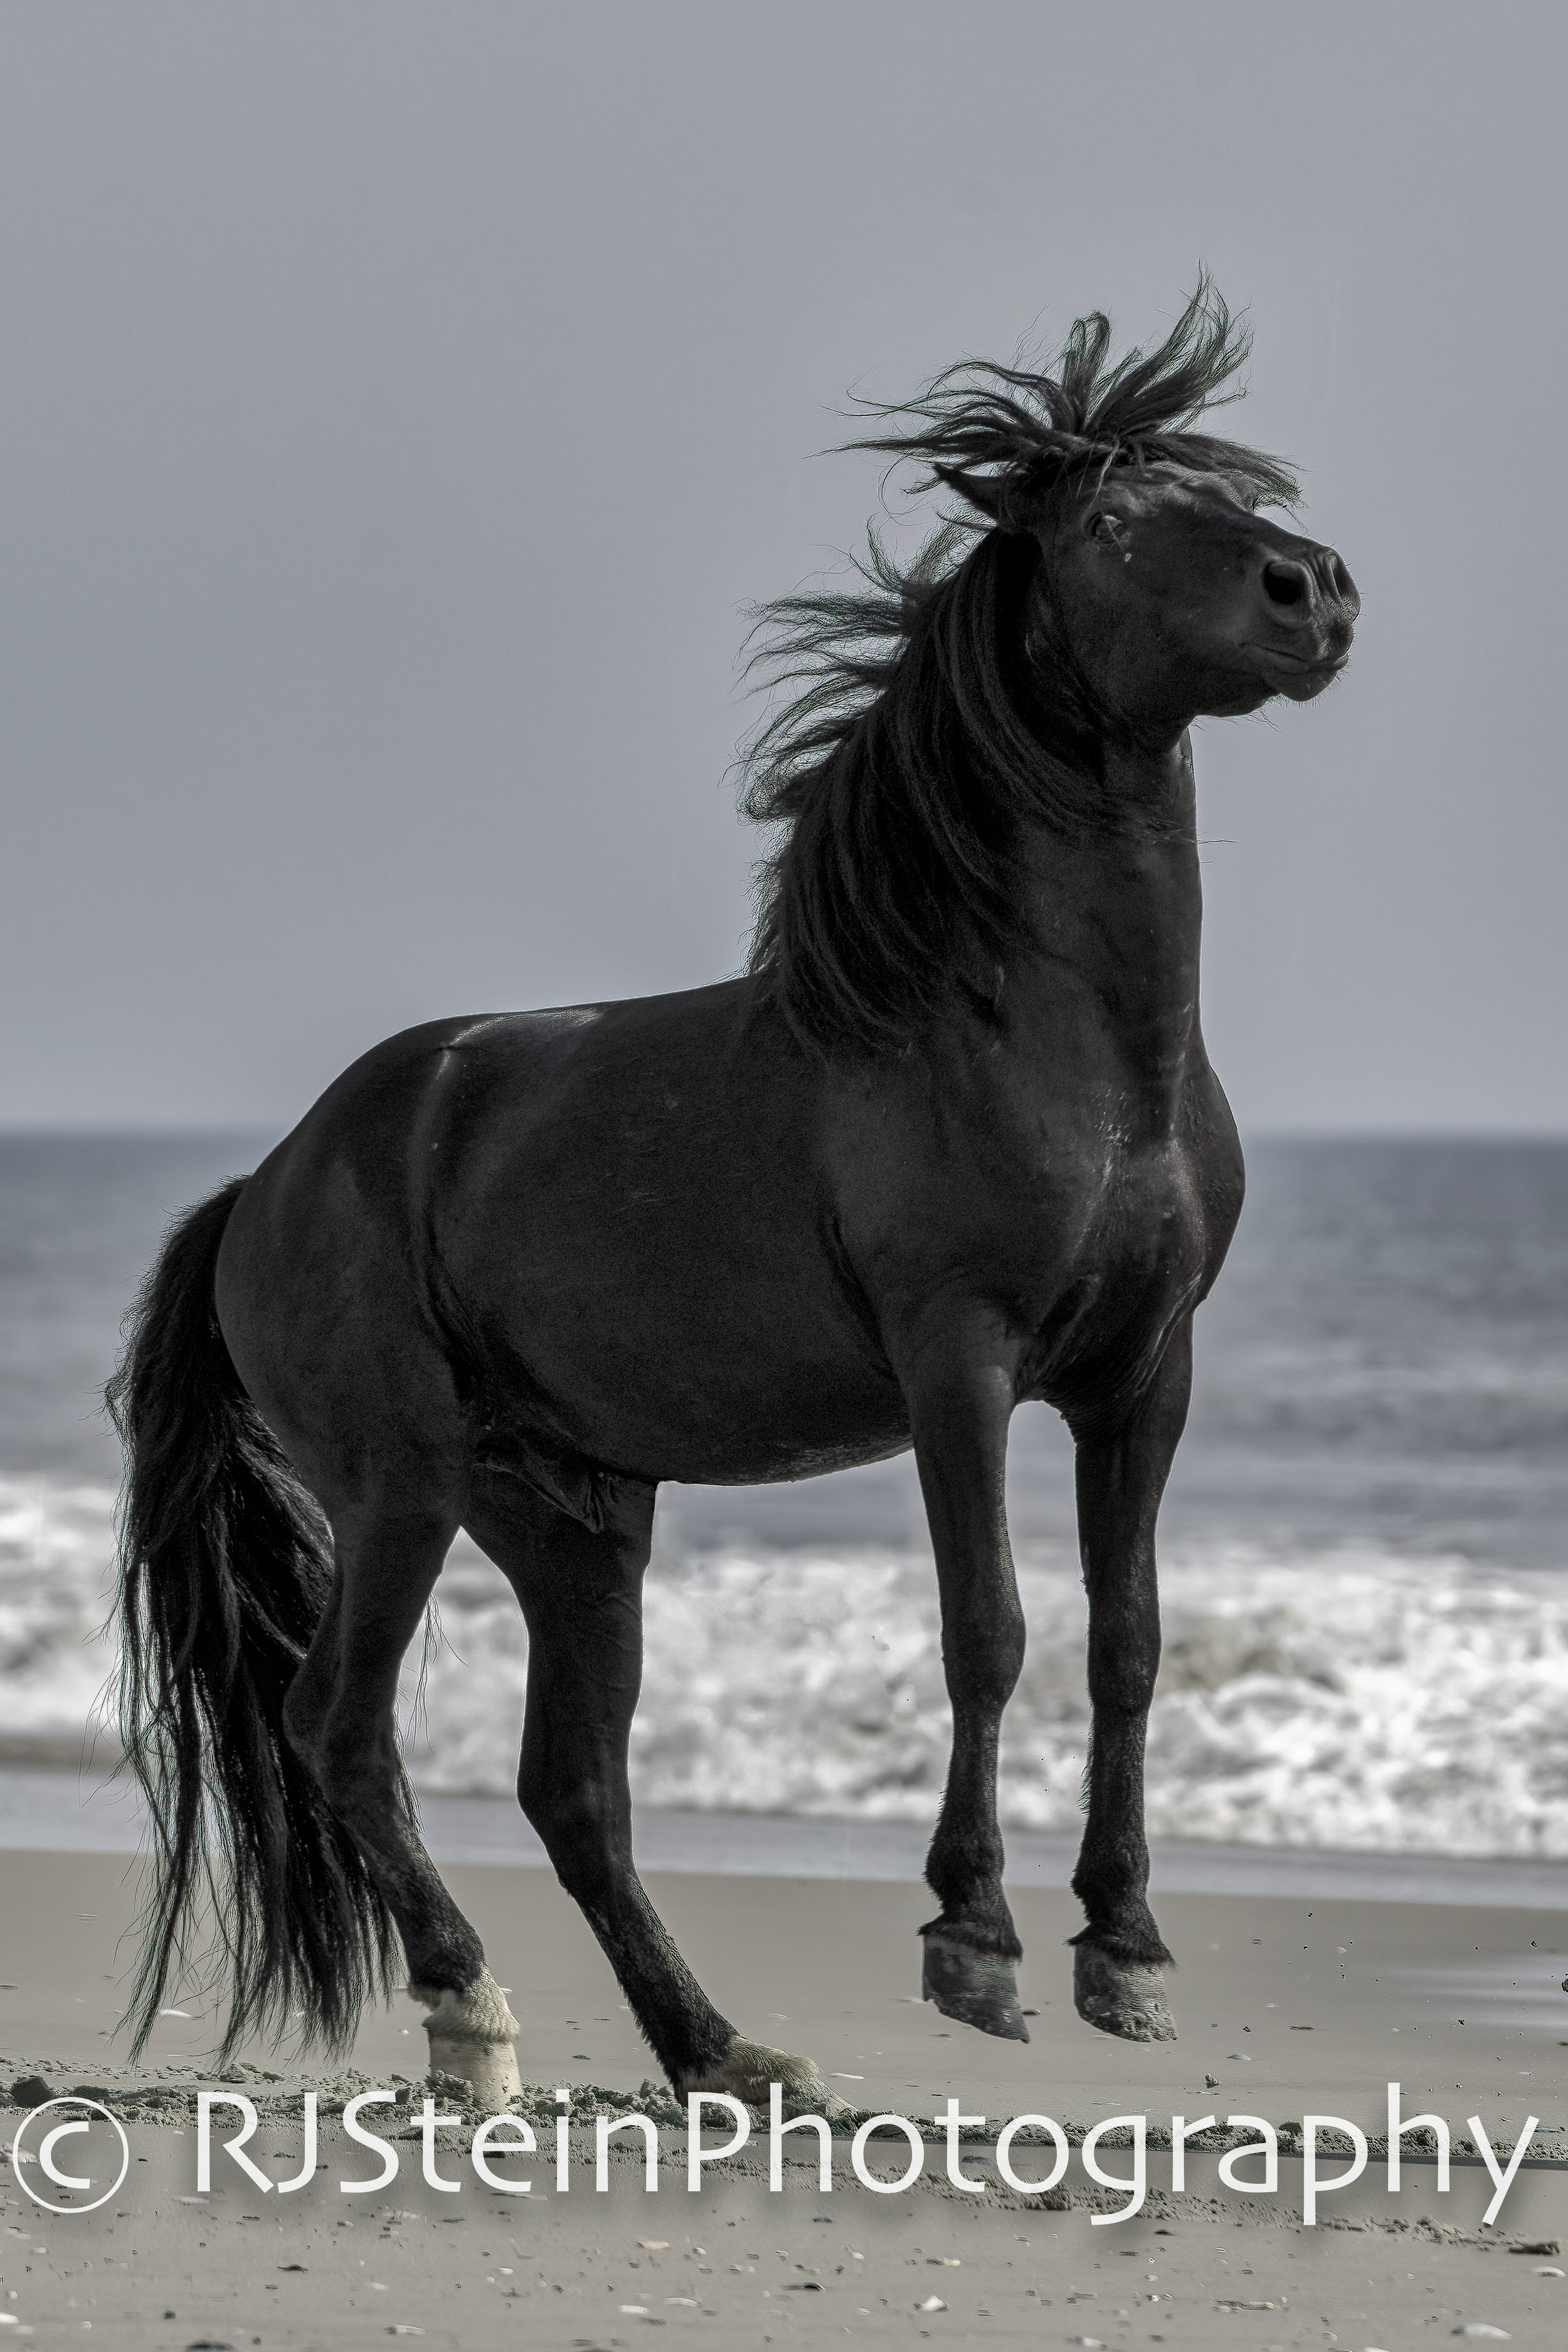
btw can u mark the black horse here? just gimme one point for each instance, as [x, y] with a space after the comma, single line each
[953, 1142]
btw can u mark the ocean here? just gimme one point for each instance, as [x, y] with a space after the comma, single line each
[1363, 1554]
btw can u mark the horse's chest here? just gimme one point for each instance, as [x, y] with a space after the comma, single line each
[1078, 1225]
[1113, 1266]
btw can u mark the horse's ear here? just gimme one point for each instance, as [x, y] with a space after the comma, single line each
[986, 491]
[1010, 499]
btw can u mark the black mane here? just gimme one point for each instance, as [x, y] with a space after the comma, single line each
[921, 738]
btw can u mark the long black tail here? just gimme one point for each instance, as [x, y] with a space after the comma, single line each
[225, 1570]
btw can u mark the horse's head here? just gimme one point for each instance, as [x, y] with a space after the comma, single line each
[1173, 598]
[1163, 592]
[1109, 577]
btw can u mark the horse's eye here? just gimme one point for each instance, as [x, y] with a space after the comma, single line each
[1104, 526]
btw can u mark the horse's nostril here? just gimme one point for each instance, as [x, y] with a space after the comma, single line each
[1344, 586]
[1285, 584]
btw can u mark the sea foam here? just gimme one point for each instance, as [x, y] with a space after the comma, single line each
[1349, 1696]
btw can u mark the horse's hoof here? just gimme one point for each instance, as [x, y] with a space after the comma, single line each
[473, 2035]
[749, 2069]
[1123, 1997]
[979, 1989]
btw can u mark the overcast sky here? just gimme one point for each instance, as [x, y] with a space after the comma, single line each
[400, 404]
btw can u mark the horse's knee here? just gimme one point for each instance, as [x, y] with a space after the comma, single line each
[982, 1664]
[985, 1686]
[1121, 1682]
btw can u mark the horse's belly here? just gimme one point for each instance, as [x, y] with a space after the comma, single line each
[702, 1420]
[685, 1359]
[695, 1455]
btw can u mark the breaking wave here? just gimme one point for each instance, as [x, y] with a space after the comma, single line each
[1351, 1698]
[1348, 1697]
[56, 1557]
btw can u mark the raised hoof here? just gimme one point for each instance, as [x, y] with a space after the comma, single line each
[1123, 1997]
[979, 1989]
[473, 2035]
[747, 2069]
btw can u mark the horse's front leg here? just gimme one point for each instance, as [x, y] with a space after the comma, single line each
[959, 1419]
[1117, 1976]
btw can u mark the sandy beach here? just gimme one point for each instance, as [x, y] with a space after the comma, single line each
[1287, 2006]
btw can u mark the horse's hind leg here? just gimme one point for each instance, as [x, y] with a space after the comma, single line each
[581, 1590]
[1120, 1957]
[341, 1716]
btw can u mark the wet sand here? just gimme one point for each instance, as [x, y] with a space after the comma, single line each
[1287, 2006]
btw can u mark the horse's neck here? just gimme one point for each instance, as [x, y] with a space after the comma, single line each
[1112, 954]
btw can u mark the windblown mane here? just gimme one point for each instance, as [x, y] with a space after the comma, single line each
[921, 738]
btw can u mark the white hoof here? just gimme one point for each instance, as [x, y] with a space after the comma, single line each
[748, 2068]
[473, 2035]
